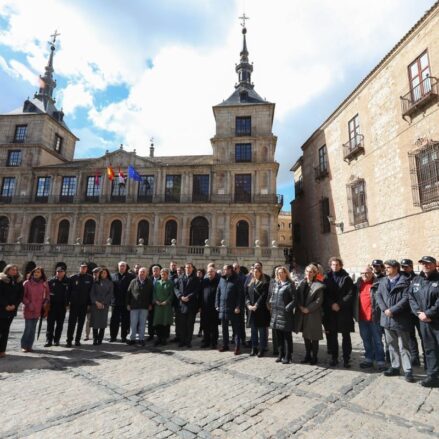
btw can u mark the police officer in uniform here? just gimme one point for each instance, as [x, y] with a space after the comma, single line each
[79, 299]
[424, 302]
[59, 287]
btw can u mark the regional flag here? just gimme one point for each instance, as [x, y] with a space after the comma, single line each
[110, 173]
[121, 178]
[133, 174]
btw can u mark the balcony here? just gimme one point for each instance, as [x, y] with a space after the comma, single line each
[66, 199]
[298, 187]
[419, 98]
[320, 172]
[353, 148]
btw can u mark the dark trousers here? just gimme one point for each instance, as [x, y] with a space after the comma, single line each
[210, 328]
[76, 316]
[151, 327]
[162, 332]
[186, 323]
[346, 344]
[98, 334]
[413, 342]
[120, 317]
[285, 344]
[430, 336]
[57, 315]
[236, 328]
[5, 324]
[311, 349]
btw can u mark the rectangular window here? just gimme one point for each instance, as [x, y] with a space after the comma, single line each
[20, 133]
[324, 210]
[323, 160]
[426, 172]
[243, 126]
[200, 189]
[58, 143]
[419, 77]
[357, 202]
[243, 152]
[68, 189]
[118, 191]
[14, 158]
[146, 188]
[173, 188]
[93, 188]
[8, 189]
[354, 131]
[243, 188]
[43, 189]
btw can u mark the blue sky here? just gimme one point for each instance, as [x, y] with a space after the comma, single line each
[139, 69]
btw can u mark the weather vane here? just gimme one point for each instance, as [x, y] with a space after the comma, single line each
[152, 141]
[53, 36]
[244, 18]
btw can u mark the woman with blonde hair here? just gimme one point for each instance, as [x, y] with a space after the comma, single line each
[309, 312]
[282, 303]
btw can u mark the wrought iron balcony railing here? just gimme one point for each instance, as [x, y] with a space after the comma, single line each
[420, 97]
[353, 147]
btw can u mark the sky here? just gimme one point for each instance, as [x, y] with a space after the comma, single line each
[128, 71]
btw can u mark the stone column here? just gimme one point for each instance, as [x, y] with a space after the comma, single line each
[127, 234]
[156, 238]
[257, 228]
[227, 230]
[73, 229]
[49, 231]
[184, 240]
[100, 239]
[212, 230]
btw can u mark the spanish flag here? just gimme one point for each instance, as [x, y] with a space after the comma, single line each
[110, 173]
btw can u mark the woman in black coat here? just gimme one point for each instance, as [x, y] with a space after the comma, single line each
[11, 295]
[282, 303]
[258, 319]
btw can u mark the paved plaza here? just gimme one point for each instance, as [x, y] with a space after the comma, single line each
[122, 391]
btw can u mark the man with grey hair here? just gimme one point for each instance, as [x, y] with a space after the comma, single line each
[392, 298]
[120, 316]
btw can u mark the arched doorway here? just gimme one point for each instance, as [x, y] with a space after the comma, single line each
[89, 232]
[170, 231]
[63, 232]
[116, 232]
[4, 229]
[143, 232]
[199, 231]
[242, 238]
[37, 230]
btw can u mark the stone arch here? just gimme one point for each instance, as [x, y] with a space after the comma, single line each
[199, 231]
[89, 235]
[242, 233]
[143, 231]
[116, 232]
[63, 232]
[37, 230]
[170, 230]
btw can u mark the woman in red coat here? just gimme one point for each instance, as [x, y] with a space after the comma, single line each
[36, 295]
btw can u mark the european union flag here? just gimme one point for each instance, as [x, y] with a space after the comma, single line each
[133, 174]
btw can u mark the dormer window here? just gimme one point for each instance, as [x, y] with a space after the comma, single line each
[58, 143]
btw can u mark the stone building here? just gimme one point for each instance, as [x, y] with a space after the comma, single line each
[367, 183]
[284, 234]
[55, 207]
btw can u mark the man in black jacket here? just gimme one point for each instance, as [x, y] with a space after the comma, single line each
[59, 287]
[424, 303]
[392, 298]
[120, 316]
[338, 307]
[187, 291]
[209, 315]
[79, 298]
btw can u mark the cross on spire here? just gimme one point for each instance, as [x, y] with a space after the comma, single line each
[244, 18]
[53, 36]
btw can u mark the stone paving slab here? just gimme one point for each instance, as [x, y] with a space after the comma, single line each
[122, 391]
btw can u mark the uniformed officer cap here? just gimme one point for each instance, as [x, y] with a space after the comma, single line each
[427, 259]
[406, 263]
[392, 263]
[83, 264]
[377, 262]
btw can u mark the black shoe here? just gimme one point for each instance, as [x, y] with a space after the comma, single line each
[99, 342]
[391, 372]
[130, 342]
[261, 353]
[175, 340]
[223, 349]
[416, 362]
[48, 344]
[279, 359]
[123, 340]
[346, 364]
[430, 382]
[142, 343]
[56, 343]
[69, 344]
[286, 361]
[253, 352]
[86, 338]
[189, 345]
[112, 340]
[181, 345]
[366, 365]
[333, 362]
[77, 343]
[408, 376]
[306, 360]
[95, 342]
[313, 361]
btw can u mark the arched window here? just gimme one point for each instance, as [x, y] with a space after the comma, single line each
[143, 232]
[242, 238]
[116, 232]
[199, 231]
[63, 232]
[170, 231]
[37, 230]
[4, 229]
[89, 232]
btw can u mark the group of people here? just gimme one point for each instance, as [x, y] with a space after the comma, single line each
[388, 300]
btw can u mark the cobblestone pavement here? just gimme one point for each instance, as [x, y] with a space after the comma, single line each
[114, 390]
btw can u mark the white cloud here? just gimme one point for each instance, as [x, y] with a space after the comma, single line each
[24, 72]
[74, 96]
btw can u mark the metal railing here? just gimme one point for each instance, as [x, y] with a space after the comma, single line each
[419, 96]
[321, 172]
[353, 147]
